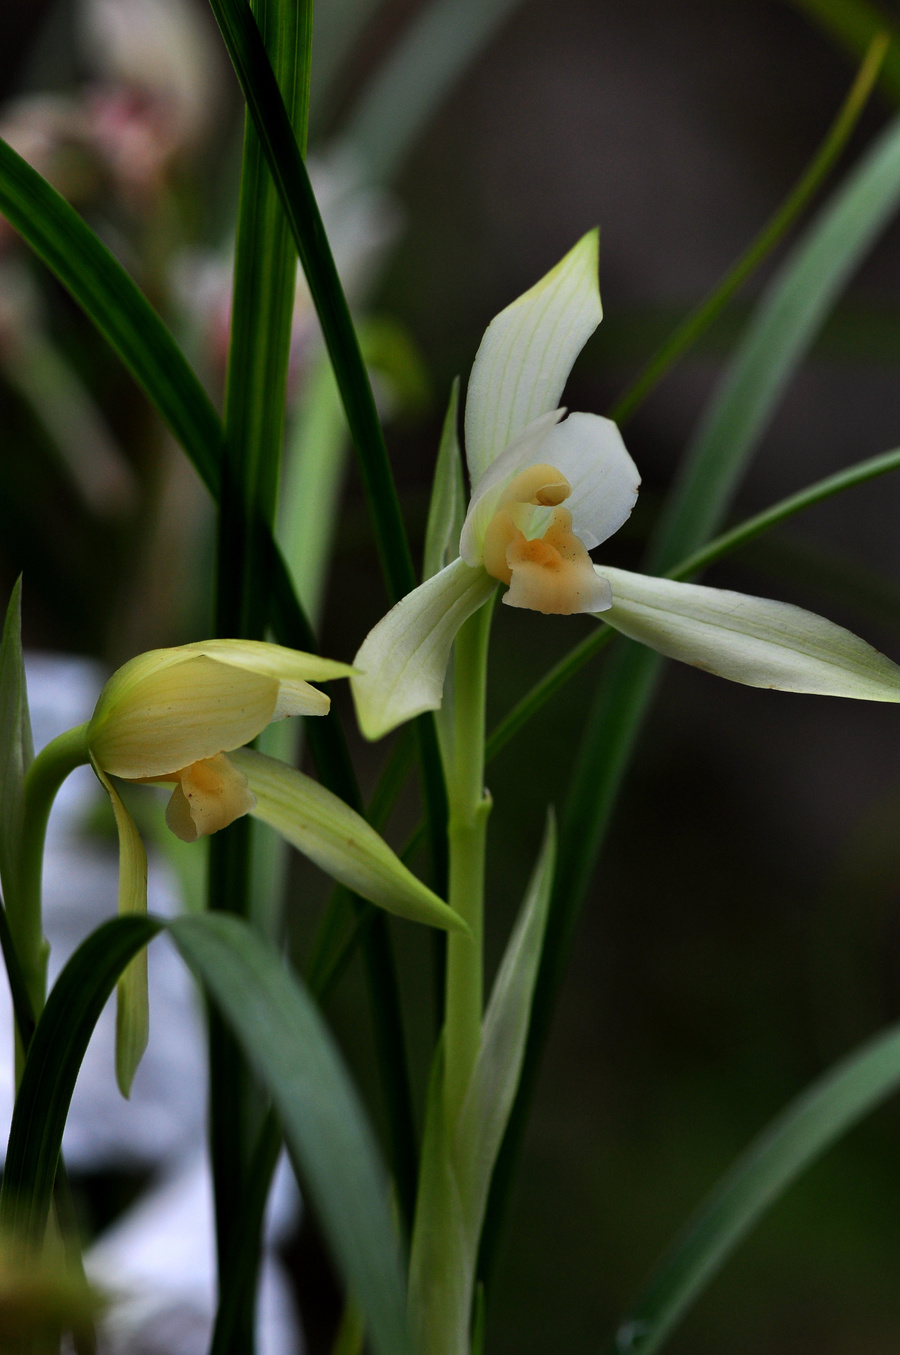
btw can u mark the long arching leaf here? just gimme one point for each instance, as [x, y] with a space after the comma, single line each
[116, 305]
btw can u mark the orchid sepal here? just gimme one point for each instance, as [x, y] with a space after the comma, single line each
[338, 840]
[755, 641]
[399, 670]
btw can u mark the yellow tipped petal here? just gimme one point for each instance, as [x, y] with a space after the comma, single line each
[210, 795]
[258, 656]
[178, 713]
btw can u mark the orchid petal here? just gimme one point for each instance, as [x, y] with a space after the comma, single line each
[527, 352]
[177, 715]
[210, 795]
[591, 455]
[525, 450]
[268, 660]
[132, 999]
[338, 840]
[401, 665]
[748, 639]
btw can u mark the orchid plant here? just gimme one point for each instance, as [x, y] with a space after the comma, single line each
[537, 491]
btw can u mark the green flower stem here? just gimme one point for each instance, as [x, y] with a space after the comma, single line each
[23, 907]
[469, 809]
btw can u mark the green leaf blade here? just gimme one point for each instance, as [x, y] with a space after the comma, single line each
[325, 1127]
[54, 1057]
[117, 307]
[815, 1120]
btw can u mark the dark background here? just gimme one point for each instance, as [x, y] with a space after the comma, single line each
[743, 931]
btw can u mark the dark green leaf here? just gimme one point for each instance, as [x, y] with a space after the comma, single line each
[54, 1058]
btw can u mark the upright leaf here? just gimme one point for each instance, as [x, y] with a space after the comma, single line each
[325, 1127]
[458, 1159]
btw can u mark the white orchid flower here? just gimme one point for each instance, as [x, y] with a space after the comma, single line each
[546, 490]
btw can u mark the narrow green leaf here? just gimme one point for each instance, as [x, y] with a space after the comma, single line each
[809, 1125]
[744, 532]
[117, 307]
[54, 1057]
[16, 748]
[325, 1127]
[783, 327]
[338, 840]
[854, 23]
[700, 319]
[257, 79]
[447, 508]
[489, 1098]
[457, 1160]
[437, 45]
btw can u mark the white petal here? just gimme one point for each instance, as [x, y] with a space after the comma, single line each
[401, 665]
[527, 352]
[525, 450]
[591, 455]
[748, 639]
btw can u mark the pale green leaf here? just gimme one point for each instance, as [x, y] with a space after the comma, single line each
[448, 496]
[439, 1281]
[495, 1078]
[457, 1165]
[748, 639]
[338, 840]
[401, 665]
[16, 748]
[527, 352]
[132, 1000]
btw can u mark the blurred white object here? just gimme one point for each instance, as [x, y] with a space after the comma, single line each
[158, 1259]
[158, 69]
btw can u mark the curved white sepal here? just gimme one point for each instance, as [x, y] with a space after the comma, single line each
[132, 998]
[400, 668]
[527, 352]
[589, 451]
[748, 639]
[338, 840]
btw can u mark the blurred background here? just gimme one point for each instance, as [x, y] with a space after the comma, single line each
[744, 927]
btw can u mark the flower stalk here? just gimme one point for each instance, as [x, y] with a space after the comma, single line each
[470, 806]
[23, 904]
